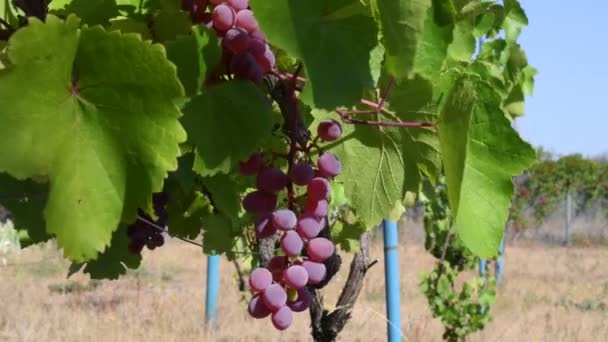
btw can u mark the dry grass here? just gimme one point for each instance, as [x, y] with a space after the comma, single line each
[550, 294]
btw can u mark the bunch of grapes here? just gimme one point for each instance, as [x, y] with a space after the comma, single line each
[142, 233]
[246, 52]
[281, 288]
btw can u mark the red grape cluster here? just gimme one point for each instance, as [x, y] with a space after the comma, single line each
[245, 49]
[280, 288]
[142, 233]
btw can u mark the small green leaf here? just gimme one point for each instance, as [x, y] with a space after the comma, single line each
[115, 260]
[225, 192]
[433, 48]
[218, 237]
[227, 123]
[93, 12]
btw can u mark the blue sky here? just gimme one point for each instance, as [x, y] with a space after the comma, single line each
[568, 43]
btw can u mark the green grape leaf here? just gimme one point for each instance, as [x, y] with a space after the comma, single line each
[195, 55]
[463, 44]
[129, 25]
[515, 20]
[106, 142]
[347, 235]
[25, 200]
[334, 39]
[218, 237]
[171, 23]
[432, 47]
[115, 260]
[481, 153]
[93, 12]
[402, 23]
[186, 210]
[227, 123]
[225, 193]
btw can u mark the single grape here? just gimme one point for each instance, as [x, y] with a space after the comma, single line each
[238, 5]
[320, 249]
[291, 243]
[264, 227]
[260, 279]
[223, 17]
[284, 219]
[309, 226]
[136, 246]
[296, 276]
[252, 165]
[302, 302]
[266, 60]
[318, 209]
[329, 130]
[301, 173]
[236, 40]
[318, 189]
[256, 47]
[277, 265]
[329, 165]
[245, 67]
[259, 202]
[271, 180]
[150, 244]
[257, 308]
[274, 297]
[158, 240]
[316, 271]
[259, 35]
[246, 20]
[282, 318]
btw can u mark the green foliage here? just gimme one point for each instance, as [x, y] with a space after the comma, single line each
[543, 189]
[109, 102]
[462, 309]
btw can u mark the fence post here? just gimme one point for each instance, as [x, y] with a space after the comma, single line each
[482, 267]
[499, 265]
[391, 276]
[213, 286]
[568, 216]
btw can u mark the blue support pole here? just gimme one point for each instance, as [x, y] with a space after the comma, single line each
[499, 266]
[391, 275]
[213, 287]
[482, 267]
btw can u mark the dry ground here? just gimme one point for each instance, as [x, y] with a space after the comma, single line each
[550, 294]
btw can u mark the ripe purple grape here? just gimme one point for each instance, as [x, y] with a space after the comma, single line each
[318, 209]
[256, 46]
[252, 165]
[329, 165]
[318, 189]
[276, 266]
[316, 271]
[264, 227]
[274, 297]
[292, 243]
[309, 226]
[246, 20]
[284, 219]
[238, 5]
[302, 302]
[271, 180]
[282, 318]
[259, 35]
[301, 173]
[223, 17]
[236, 40]
[244, 66]
[259, 202]
[257, 308]
[296, 277]
[320, 249]
[260, 279]
[329, 130]
[266, 60]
